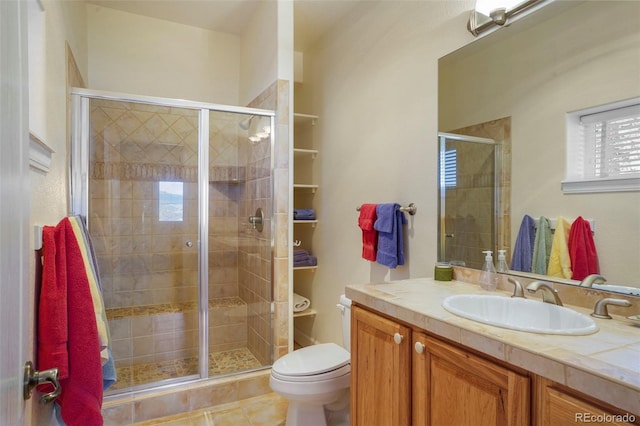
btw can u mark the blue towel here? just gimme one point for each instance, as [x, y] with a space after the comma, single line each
[304, 214]
[390, 235]
[542, 247]
[108, 372]
[523, 250]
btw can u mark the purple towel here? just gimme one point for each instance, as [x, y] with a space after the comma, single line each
[523, 250]
[304, 214]
[310, 261]
[390, 234]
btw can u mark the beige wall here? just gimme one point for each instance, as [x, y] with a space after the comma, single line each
[537, 83]
[373, 82]
[133, 54]
[258, 54]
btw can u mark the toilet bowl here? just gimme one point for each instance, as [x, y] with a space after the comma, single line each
[315, 380]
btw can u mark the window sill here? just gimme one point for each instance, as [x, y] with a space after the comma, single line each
[600, 185]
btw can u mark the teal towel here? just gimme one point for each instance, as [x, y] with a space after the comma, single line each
[542, 247]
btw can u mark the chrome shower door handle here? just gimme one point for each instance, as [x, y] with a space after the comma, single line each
[33, 378]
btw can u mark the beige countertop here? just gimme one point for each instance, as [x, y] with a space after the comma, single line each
[605, 365]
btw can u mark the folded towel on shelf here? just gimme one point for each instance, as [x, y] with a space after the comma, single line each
[582, 250]
[304, 214]
[541, 247]
[309, 261]
[366, 221]
[523, 249]
[559, 259]
[303, 258]
[390, 239]
[300, 303]
[300, 254]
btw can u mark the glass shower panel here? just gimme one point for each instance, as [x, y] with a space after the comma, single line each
[239, 255]
[143, 220]
[467, 196]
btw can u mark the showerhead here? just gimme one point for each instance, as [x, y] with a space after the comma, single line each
[244, 124]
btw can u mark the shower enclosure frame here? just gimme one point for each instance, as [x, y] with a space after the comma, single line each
[79, 191]
[497, 161]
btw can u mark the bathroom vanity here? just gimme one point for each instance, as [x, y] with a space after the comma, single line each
[415, 363]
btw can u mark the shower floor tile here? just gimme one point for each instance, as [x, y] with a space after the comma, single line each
[219, 363]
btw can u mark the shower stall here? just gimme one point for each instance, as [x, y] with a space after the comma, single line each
[469, 189]
[178, 200]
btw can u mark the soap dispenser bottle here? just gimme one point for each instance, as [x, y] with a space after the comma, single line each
[502, 262]
[488, 277]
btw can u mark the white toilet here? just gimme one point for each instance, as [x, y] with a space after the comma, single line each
[315, 379]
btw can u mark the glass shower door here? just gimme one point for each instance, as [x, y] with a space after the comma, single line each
[468, 197]
[143, 220]
[239, 253]
[168, 188]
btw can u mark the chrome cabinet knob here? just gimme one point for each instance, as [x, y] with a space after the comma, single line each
[419, 347]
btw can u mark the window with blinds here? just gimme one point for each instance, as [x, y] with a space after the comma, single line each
[603, 149]
[612, 142]
[450, 175]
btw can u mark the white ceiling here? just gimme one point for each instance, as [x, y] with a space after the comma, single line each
[312, 17]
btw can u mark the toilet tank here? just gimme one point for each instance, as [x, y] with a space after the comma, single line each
[345, 308]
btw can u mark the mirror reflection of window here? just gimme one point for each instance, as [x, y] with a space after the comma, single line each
[170, 201]
[450, 176]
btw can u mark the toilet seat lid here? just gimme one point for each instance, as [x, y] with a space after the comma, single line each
[312, 360]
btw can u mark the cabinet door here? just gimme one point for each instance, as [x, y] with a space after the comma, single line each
[560, 409]
[380, 370]
[453, 387]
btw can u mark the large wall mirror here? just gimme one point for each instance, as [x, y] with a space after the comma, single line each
[516, 86]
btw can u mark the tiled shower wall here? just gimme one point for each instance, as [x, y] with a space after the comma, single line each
[142, 260]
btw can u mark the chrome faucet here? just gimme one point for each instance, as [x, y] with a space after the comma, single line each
[549, 294]
[517, 290]
[601, 311]
[592, 279]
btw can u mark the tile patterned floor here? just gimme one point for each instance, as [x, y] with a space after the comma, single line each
[219, 363]
[266, 410]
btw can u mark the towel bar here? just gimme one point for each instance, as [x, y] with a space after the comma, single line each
[411, 209]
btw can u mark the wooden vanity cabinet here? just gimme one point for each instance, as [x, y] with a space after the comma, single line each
[559, 406]
[454, 387]
[392, 384]
[401, 376]
[380, 370]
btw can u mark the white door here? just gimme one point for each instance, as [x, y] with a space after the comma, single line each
[14, 210]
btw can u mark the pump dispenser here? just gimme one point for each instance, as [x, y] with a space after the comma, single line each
[488, 277]
[502, 262]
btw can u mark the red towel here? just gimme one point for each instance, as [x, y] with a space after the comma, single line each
[582, 250]
[67, 331]
[369, 234]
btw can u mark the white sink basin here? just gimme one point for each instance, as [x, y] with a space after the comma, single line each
[520, 314]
